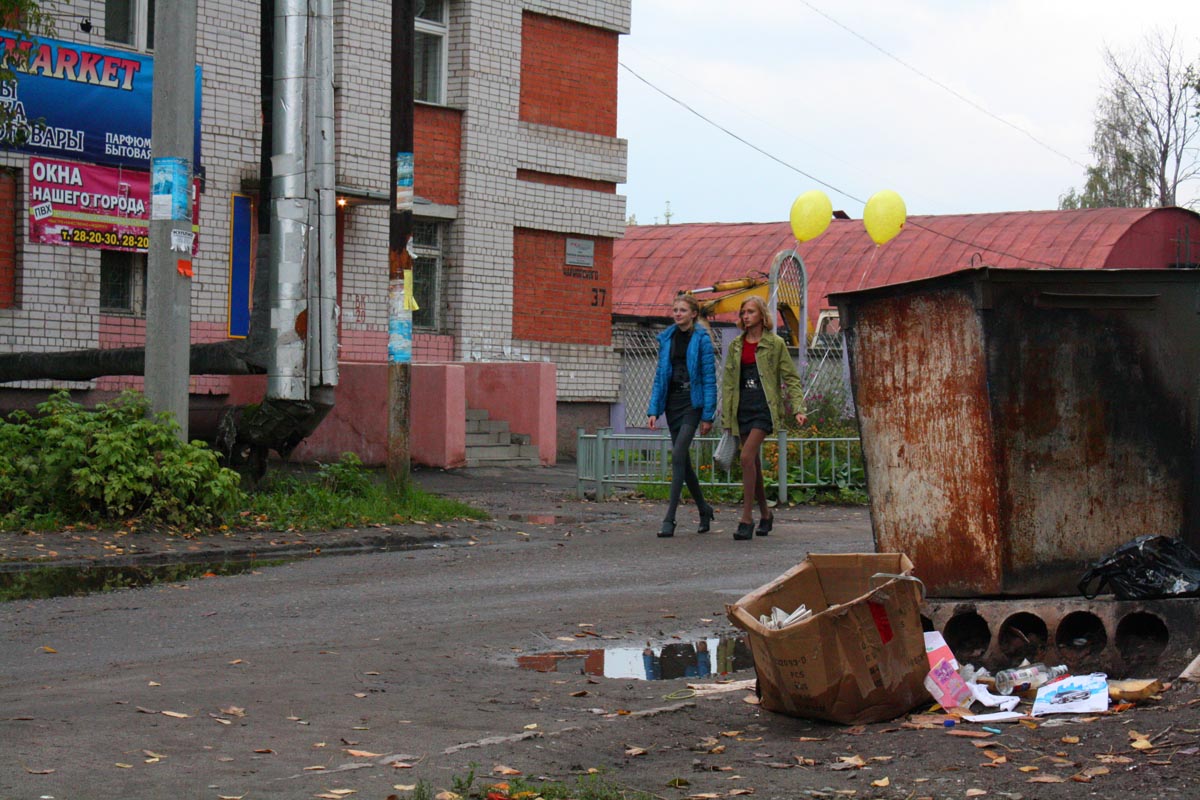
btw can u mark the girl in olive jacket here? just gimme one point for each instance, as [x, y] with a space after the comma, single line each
[758, 371]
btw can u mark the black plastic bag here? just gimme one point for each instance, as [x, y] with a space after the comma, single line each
[1147, 567]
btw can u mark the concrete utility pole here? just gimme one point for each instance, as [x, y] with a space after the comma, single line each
[399, 232]
[169, 265]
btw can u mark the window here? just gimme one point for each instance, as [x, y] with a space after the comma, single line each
[122, 282]
[427, 267]
[130, 22]
[429, 53]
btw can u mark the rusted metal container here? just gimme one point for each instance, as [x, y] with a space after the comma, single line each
[1017, 425]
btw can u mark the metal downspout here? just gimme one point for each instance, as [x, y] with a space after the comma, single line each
[290, 206]
[323, 316]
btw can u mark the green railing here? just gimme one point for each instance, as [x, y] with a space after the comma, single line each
[606, 461]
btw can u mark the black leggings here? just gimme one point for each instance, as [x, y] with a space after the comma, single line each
[681, 467]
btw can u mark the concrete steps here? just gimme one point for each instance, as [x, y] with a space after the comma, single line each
[491, 444]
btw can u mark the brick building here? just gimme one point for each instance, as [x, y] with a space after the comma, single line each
[516, 210]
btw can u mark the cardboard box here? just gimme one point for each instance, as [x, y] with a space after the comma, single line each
[861, 656]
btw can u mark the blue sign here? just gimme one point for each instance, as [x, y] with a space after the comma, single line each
[93, 103]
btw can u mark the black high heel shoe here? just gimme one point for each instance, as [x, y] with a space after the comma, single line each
[706, 517]
[765, 524]
[667, 529]
[745, 530]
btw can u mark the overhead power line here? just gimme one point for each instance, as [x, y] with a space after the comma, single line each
[811, 177]
[943, 86]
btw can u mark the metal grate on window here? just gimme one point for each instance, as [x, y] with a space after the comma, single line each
[116, 281]
[426, 234]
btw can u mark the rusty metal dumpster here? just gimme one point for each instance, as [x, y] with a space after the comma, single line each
[1019, 424]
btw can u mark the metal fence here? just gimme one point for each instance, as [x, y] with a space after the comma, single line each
[606, 461]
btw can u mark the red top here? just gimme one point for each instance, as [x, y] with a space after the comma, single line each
[748, 350]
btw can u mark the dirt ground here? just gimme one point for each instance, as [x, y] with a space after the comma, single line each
[683, 737]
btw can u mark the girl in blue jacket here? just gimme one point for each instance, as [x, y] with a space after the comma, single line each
[685, 389]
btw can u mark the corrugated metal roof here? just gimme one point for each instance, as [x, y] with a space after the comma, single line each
[653, 262]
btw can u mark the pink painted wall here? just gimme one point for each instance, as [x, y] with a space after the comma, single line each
[438, 404]
[522, 394]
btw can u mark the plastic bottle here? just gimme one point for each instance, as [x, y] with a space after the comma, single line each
[1023, 679]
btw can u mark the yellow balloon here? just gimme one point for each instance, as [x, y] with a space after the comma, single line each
[811, 213]
[884, 216]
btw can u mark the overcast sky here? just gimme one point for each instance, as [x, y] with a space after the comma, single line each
[810, 92]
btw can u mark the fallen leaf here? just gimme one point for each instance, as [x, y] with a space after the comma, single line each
[234, 711]
[230, 796]
[1069, 740]
[849, 762]
[342, 792]
[635, 751]
[317, 768]
[1047, 779]
[500, 769]
[446, 796]
[1028, 769]
[39, 771]
[235, 661]
[581, 693]
[152, 754]
[1106, 758]
[976, 792]
[716, 751]
[811, 738]
[1095, 772]
[48, 649]
[123, 766]
[175, 714]
[264, 750]
[678, 783]
[403, 787]
[141, 710]
[731, 734]
[363, 754]
[740, 792]
[154, 683]
[531, 726]
[882, 783]
[1141, 744]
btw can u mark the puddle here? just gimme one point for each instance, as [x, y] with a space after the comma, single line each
[40, 583]
[701, 658]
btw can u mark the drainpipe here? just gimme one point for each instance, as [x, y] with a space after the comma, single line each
[322, 295]
[287, 368]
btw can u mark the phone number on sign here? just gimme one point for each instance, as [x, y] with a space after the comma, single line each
[108, 238]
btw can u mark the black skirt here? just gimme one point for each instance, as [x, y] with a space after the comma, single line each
[680, 410]
[753, 411]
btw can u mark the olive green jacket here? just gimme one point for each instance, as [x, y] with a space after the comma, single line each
[777, 370]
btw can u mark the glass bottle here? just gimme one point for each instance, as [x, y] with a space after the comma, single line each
[1024, 679]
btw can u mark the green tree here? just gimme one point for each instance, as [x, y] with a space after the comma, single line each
[1144, 143]
[28, 20]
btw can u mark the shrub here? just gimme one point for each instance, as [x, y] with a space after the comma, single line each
[108, 465]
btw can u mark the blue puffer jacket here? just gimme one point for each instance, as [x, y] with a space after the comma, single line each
[702, 370]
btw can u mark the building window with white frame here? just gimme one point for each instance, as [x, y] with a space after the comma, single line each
[427, 267]
[429, 53]
[122, 283]
[130, 22]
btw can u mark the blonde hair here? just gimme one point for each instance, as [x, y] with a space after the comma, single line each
[689, 299]
[763, 312]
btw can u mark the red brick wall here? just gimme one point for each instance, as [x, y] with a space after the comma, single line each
[8, 239]
[553, 302]
[570, 181]
[568, 75]
[437, 153]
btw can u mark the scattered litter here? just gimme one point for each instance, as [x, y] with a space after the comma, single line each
[996, 716]
[778, 618]
[1076, 694]
[1133, 690]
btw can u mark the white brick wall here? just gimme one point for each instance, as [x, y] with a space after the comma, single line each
[59, 286]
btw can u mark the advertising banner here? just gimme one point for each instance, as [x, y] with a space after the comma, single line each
[92, 206]
[91, 103]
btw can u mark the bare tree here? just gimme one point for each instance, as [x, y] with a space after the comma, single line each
[1146, 134]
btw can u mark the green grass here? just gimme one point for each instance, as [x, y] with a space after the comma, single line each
[345, 495]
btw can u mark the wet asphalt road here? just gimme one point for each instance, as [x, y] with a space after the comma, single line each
[269, 684]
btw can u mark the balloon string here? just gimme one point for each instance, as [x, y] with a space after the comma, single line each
[870, 266]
